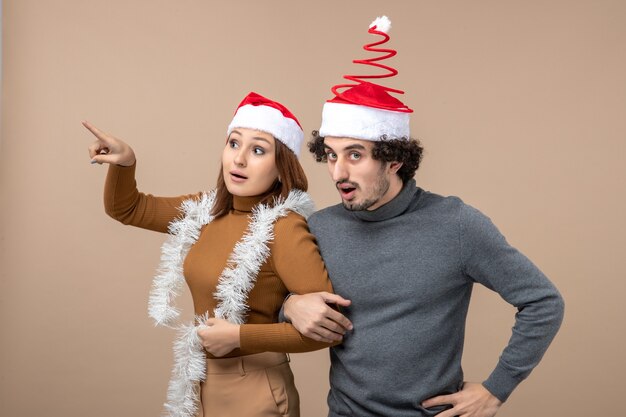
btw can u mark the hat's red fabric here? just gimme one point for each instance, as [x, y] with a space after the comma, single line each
[255, 99]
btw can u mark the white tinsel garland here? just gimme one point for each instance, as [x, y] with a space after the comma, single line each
[234, 284]
[169, 280]
[243, 266]
[183, 393]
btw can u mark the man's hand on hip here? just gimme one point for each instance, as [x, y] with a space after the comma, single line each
[311, 315]
[472, 401]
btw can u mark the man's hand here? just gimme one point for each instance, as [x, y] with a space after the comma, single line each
[472, 401]
[313, 317]
[219, 337]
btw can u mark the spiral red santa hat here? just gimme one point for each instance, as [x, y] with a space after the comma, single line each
[366, 110]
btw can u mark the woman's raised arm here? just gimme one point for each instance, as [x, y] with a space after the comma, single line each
[122, 199]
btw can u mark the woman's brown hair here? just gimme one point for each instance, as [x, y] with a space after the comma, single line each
[290, 176]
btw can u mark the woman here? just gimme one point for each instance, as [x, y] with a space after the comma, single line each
[241, 249]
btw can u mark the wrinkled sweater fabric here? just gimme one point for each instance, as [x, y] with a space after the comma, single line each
[294, 263]
[409, 268]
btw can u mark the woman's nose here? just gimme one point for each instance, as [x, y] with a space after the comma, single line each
[240, 159]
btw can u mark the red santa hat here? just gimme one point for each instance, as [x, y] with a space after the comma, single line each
[366, 110]
[260, 113]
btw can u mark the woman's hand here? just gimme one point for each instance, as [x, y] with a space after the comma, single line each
[220, 337]
[109, 150]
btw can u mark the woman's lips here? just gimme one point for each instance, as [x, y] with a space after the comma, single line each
[237, 176]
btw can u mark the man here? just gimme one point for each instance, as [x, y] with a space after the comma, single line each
[405, 260]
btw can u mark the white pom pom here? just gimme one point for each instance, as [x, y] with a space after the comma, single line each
[382, 24]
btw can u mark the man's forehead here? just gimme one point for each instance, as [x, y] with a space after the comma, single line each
[339, 143]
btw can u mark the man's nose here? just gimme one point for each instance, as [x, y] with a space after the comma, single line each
[339, 171]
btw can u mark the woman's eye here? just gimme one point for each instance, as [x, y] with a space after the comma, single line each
[233, 143]
[259, 151]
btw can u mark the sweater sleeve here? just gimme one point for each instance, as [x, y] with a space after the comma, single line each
[297, 262]
[488, 259]
[124, 203]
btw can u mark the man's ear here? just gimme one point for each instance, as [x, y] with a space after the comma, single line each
[394, 167]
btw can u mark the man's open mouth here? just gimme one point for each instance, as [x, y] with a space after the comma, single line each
[346, 190]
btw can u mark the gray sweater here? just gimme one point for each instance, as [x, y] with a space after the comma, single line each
[408, 268]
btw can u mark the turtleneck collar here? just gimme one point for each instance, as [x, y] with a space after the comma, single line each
[245, 204]
[394, 208]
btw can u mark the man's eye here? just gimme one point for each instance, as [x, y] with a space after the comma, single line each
[355, 155]
[331, 155]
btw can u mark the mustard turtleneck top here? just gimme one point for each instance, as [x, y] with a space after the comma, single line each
[294, 264]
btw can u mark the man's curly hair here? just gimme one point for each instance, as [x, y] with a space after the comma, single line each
[409, 152]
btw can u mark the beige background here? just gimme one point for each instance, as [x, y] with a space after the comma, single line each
[520, 105]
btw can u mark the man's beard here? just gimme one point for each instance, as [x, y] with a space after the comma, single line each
[379, 190]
